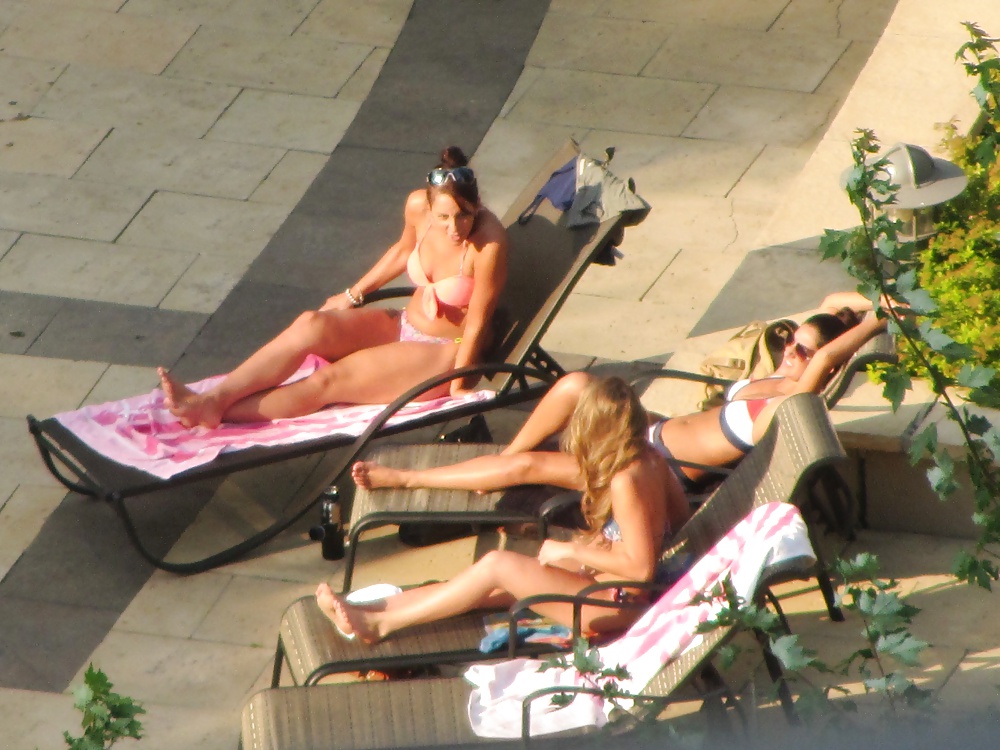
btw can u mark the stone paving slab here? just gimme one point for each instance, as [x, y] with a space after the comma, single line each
[268, 60]
[376, 23]
[741, 57]
[182, 165]
[123, 334]
[98, 96]
[99, 271]
[23, 317]
[758, 16]
[95, 37]
[25, 82]
[35, 146]
[70, 208]
[289, 179]
[283, 17]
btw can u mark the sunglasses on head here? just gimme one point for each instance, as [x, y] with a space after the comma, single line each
[459, 175]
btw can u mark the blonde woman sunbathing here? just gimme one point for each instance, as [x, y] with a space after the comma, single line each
[632, 503]
[455, 252]
[720, 436]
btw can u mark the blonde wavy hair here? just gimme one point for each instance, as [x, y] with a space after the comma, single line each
[606, 433]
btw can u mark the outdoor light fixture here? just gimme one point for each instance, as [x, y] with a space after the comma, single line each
[924, 182]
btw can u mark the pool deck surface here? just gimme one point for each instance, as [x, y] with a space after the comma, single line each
[178, 180]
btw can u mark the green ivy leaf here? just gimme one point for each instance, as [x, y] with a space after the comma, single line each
[902, 646]
[792, 656]
[920, 301]
[895, 384]
[975, 377]
[923, 444]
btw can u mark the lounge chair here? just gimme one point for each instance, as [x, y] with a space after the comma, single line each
[546, 261]
[800, 443]
[661, 650]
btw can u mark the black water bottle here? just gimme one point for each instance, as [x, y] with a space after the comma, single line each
[329, 533]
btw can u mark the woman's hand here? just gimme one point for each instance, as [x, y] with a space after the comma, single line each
[553, 552]
[458, 389]
[337, 302]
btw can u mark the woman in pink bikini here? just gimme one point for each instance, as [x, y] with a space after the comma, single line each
[720, 436]
[455, 252]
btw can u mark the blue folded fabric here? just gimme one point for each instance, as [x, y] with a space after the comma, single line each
[498, 635]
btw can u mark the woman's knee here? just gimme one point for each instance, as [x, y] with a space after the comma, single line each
[311, 326]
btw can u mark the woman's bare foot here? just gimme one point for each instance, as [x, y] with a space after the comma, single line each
[192, 409]
[349, 620]
[370, 475]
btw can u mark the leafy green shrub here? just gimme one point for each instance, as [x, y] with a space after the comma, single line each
[960, 267]
[107, 717]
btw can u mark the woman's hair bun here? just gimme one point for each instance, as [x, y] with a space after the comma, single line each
[452, 157]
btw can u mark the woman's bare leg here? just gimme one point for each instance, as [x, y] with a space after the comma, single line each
[331, 335]
[483, 473]
[552, 413]
[499, 578]
[375, 375]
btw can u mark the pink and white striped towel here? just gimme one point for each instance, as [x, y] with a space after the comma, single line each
[771, 534]
[140, 432]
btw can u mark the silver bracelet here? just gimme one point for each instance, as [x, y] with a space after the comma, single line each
[356, 301]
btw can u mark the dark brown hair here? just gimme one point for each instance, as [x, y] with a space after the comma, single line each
[831, 325]
[465, 194]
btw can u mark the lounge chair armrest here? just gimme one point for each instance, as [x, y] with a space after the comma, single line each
[660, 701]
[394, 292]
[577, 600]
[560, 502]
[696, 377]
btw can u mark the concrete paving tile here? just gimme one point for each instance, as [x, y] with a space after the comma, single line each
[193, 728]
[360, 84]
[796, 279]
[7, 240]
[383, 558]
[249, 610]
[122, 381]
[770, 175]
[845, 72]
[758, 16]
[605, 45]
[95, 37]
[162, 161]
[43, 386]
[35, 719]
[903, 113]
[21, 516]
[787, 118]
[376, 23]
[99, 271]
[663, 166]
[927, 18]
[269, 60]
[171, 605]
[205, 284]
[45, 147]
[70, 208]
[686, 220]
[186, 223]
[107, 97]
[123, 334]
[36, 654]
[275, 119]
[739, 57]
[853, 19]
[25, 82]
[599, 100]
[509, 155]
[815, 201]
[252, 14]
[179, 671]
[23, 317]
[691, 275]
[635, 272]
[614, 329]
[288, 181]
[524, 83]
[580, 7]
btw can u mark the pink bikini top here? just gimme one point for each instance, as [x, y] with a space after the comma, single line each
[453, 291]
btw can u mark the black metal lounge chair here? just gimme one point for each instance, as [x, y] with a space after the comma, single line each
[800, 444]
[546, 259]
[433, 712]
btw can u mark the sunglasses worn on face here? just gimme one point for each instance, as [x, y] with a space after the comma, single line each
[801, 351]
[459, 175]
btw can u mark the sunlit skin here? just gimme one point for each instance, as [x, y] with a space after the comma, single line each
[368, 363]
[695, 437]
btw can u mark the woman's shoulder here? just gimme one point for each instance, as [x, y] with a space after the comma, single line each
[416, 209]
[489, 230]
